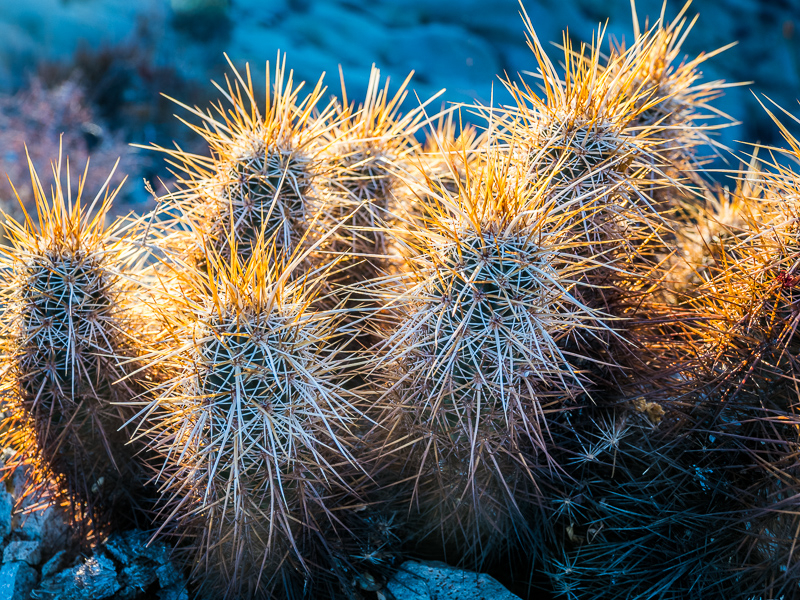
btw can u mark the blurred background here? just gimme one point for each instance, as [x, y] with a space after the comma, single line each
[95, 69]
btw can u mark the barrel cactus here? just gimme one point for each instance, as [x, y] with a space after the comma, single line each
[256, 427]
[73, 327]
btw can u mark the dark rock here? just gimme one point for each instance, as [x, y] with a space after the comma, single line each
[125, 567]
[47, 526]
[95, 579]
[55, 564]
[175, 592]
[438, 581]
[27, 552]
[138, 576]
[17, 580]
[168, 576]
[6, 511]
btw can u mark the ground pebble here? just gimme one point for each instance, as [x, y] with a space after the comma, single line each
[438, 581]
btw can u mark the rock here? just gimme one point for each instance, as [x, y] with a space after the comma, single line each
[438, 581]
[127, 546]
[54, 565]
[175, 592]
[6, 512]
[199, 6]
[95, 579]
[17, 580]
[47, 526]
[168, 576]
[459, 45]
[27, 552]
[62, 26]
[30, 517]
[137, 576]
[471, 63]
[123, 568]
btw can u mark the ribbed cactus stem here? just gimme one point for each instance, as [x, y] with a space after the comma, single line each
[256, 428]
[72, 319]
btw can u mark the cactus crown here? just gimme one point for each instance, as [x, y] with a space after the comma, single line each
[369, 145]
[491, 299]
[668, 95]
[265, 175]
[370, 139]
[577, 132]
[66, 276]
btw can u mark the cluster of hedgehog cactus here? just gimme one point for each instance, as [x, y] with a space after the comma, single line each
[349, 335]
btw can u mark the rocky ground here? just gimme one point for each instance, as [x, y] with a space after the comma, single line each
[41, 559]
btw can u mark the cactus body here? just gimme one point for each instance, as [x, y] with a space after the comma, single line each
[265, 177]
[255, 429]
[475, 362]
[73, 325]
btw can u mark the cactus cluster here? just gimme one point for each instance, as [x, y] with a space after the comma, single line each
[333, 345]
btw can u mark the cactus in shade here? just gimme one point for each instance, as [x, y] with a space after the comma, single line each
[702, 502]
[700, 499]
[72, 330]
[474, 362]
[673, 508]
[367, 147]
[256, 428]
[709, 225]
[265, 176]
